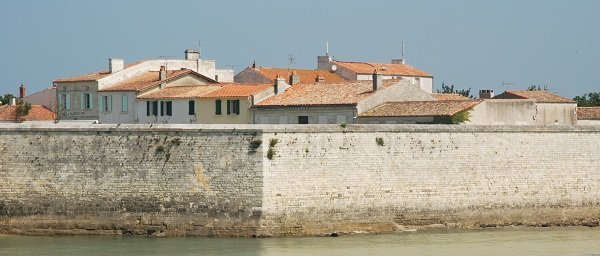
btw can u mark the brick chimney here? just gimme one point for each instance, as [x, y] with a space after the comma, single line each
[22, 91]
[486, 94]
[377, 80]
[115, 65]
[294, 78]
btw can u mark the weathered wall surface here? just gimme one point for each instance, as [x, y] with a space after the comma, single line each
[207, 179]
[120, 180]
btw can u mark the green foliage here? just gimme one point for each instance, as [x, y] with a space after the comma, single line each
[160, 149]
[273, 142]
[6, 98]
[22, 110]
[176, 142]
[460, 117]
[343, 125]
[591, 99]
[450, 89]
[255, 144]
[379, 141]
[270, 153]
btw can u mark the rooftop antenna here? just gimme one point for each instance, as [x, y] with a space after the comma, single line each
[326, 48]
[166, 59]
[291, 60]
[507, 84]
[402, 49]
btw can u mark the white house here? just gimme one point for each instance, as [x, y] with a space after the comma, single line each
[77, 96]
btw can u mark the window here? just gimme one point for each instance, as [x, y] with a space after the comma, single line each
[169, 108]
[106, 103]
[148, 108]
[191, 107]
[217, 107]
[233, 107]
[303, 119]
[155, 108]
[86, 101]
[65, 101]
[124, 103]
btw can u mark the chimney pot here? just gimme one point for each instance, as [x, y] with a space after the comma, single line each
[319, 79]
[398, 61]
[115, 65]
[22, 91]
[13, 101]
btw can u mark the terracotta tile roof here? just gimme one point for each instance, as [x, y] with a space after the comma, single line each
[144, 81]
[344, 93]
[237, 90]
[36, 113]
[539, 96]
[92, 76]
[449, 96]
[384, 69]
[588, 113]
[180, 92]
[420, 108]
[307, 76]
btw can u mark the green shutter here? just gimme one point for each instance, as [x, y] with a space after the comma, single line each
[68, 102]
[91, 101]
[228, 107]
[124, 103]
[109, 103]
[100, 104]
[82, 101]
[217, 107]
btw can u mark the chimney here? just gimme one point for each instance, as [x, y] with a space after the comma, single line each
[13, 101]
[192, 54]
[280, 85]
[324, 62]
[115, 65]
[377, 80]
[22, 91]
[294, 78]
[254, 64]
[486, 94]
[162, 73]
[398, 61]
[319, 79]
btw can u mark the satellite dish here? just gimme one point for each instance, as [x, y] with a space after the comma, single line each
[333, 68]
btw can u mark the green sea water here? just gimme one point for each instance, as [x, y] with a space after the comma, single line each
[509, 241]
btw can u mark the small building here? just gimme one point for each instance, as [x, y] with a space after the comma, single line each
[37, 113]
[232, 103]
[588, 115]
[548, 108]
[254, 74]
[418, 112]
[119, 103]
[45, 97]
[334, 103]
[77, 96]
[357, 71]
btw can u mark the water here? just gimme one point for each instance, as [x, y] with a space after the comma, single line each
[513, 241]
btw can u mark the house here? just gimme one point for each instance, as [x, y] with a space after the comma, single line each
[254, 74]
[588, 115]
[119, 103]
[538, 107]
[77, 96]
[232, 103]
[414, 112]
[173, 104]
[45, 97]
[8, 114]
[333, 102]
[357, 71]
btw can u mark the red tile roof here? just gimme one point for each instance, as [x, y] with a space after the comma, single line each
[384, 69]
[307, 76]
[538, 95]
[147, 80]
[449, 96]
[588, 113]
[237, 90]
[344, 93]
[36, 113]
[91, 76]
[181, 92]
[420, 108]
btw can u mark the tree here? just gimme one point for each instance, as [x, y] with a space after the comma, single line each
[6, 98]
[537, 88]
[22, 110]
[591, 99]
[450, 89]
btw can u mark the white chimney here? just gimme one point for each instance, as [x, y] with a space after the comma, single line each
[115, 65]
[13, 101]
[280, 85]
[398, 61]
[486, 94]
[377, 80]
[192, 54]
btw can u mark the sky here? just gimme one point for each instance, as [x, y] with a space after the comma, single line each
[499, 45]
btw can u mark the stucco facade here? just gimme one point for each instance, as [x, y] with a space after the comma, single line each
[522, 112]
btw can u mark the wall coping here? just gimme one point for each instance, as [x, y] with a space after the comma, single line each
[292, 128]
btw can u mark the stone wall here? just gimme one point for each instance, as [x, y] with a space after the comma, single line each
[210, 180]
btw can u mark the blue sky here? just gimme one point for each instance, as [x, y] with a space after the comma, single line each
[471, 44]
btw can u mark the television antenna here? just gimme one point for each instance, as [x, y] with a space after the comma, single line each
[166, 59]
[291, 60]
[507, 85]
